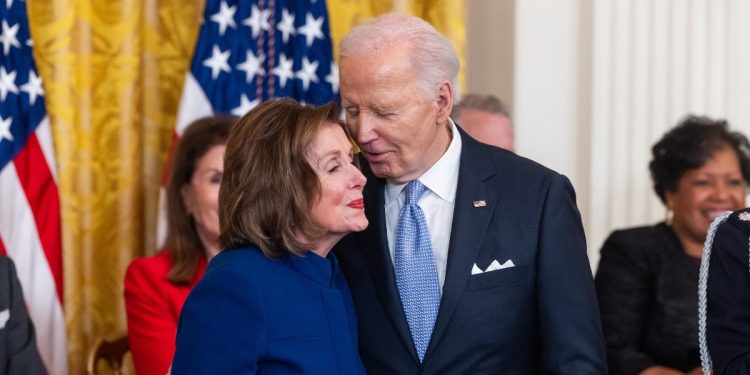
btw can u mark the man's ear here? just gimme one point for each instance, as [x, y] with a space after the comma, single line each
[444, 101]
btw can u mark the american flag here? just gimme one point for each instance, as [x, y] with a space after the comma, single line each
[249, 51]
[29, 201]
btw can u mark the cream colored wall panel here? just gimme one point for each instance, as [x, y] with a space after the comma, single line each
[597, 83]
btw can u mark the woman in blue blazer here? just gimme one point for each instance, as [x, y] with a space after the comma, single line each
[275, 301]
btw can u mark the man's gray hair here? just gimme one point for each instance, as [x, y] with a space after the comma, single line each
[433, 57]
[483, 102]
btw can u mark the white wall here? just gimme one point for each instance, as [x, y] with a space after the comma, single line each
[596, 83]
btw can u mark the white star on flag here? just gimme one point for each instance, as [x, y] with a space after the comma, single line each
[218, 62]
[252, 66]
[225, 17]
[7, 83]
[312, 29]
[284, 69]
[33, 87]
[245, 106]
[258, 20]
[5, 129]
[8, 37]
[333, 77]
[286, 26]
[308, 72]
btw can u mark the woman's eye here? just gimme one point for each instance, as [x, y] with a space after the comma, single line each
[216, 179]
[334, 168]
[736, 182]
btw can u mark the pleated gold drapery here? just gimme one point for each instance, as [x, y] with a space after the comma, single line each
[113, 72]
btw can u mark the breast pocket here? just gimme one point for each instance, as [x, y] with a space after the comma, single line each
[498, 278]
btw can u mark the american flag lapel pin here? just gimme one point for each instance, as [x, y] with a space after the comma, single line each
[480, 203]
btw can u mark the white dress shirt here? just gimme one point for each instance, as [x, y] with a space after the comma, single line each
[437, 202]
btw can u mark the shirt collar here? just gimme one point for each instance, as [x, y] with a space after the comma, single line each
[441, 178]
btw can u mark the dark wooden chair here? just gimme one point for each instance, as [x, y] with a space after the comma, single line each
[113, 351]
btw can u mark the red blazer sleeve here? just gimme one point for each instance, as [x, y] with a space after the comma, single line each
[152, 325]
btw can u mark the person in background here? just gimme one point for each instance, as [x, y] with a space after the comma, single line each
[728, 296]
[475, 258]
[156, 286]
[18, 352]
[274, 301]
[485, 118]
[647, 276]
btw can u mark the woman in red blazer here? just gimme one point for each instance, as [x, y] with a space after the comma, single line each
[157, 286]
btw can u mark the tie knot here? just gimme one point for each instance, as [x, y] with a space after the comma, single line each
[414, 190]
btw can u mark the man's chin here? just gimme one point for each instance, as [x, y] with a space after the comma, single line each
[381, 170]
[386, 171]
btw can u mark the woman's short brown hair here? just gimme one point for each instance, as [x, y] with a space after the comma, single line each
[183, 244]
[269, 186]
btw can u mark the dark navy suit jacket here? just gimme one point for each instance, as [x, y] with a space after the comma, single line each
[540, 316]
[18, 351]
[250, 314]
[728, 323]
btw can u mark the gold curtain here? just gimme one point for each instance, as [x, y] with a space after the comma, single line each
[113, 72]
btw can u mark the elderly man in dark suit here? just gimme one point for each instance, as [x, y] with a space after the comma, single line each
[18, 351]
[475, 258]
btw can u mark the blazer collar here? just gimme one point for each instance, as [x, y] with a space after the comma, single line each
[470, 224]
[374, 242]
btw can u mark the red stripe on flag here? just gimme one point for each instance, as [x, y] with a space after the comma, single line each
[41, 192]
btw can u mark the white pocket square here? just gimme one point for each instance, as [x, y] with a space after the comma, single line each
[4, 316]
[494, 266]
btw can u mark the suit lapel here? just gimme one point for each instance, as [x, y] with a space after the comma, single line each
[470, 224]
[374, 242]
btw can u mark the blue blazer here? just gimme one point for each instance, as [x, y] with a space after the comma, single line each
[250, 314]
[540, 316]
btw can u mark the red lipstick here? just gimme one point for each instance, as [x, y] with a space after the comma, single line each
[357, 203]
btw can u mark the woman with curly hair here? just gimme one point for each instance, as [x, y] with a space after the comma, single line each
[647, 276]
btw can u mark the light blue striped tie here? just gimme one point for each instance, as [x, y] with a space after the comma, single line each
[416, 273]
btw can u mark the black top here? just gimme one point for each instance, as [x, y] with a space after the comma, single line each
[728, 321]
[648, 297]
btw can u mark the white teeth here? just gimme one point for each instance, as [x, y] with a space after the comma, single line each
[714, 214]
